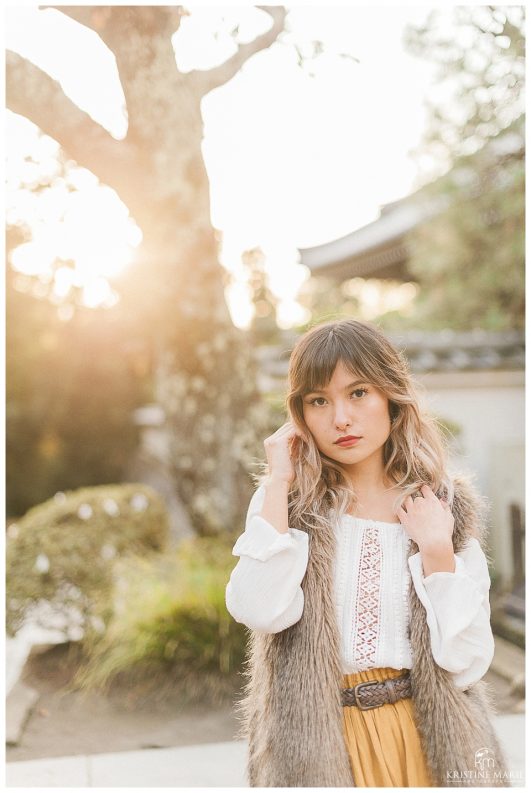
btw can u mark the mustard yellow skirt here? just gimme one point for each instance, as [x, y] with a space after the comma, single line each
[383, 743]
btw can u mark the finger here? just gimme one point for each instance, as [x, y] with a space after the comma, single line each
[427, 492]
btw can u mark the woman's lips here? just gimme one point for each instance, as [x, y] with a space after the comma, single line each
[348, 442]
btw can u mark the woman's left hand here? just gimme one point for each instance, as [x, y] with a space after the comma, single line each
[427, 519]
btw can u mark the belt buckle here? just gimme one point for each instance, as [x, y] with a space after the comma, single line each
[356, 691]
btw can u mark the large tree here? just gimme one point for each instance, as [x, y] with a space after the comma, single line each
[205, 379]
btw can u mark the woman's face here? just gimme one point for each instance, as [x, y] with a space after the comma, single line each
[347, 406]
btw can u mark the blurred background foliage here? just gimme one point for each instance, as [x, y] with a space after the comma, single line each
[170, 626]
[469, 259]
[60, 556]
[479, 84]
[71, 390]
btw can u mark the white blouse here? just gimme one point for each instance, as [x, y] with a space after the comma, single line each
[372, 572]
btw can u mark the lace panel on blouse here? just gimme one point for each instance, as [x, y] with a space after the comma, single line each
[367, 609]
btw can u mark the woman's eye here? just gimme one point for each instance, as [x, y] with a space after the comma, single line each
[318, 401]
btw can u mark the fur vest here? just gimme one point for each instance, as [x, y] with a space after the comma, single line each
[291, 713]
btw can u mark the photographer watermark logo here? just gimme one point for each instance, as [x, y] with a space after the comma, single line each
[485, 771]
[484, 759]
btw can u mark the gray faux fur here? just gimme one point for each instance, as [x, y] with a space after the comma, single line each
[291, 712]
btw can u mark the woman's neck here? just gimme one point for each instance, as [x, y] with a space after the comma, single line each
[376, 505]
[375, 493]
[369, 479]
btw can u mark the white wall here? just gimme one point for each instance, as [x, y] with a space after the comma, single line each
[490, 407]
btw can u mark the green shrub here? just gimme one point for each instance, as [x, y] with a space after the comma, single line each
[61, 554]
[170, 623]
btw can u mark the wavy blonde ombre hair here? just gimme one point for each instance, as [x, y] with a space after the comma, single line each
[415, 452]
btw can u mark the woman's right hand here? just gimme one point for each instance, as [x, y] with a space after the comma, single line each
[281, 449]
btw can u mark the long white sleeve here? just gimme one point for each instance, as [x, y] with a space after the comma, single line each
[264, 591]
[458, 613]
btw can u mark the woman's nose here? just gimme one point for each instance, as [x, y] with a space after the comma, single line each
[342, 416]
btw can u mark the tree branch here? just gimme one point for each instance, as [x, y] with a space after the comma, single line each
[111, 23]
[140, 39]
[32, 93]
[209, 79]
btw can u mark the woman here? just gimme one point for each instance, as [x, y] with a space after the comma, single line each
[362, 562]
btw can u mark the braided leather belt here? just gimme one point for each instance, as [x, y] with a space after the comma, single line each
[374, 693]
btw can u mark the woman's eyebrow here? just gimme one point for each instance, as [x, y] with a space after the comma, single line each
[324, 390]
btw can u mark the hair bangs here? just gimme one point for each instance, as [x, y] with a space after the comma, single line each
[315, 370]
